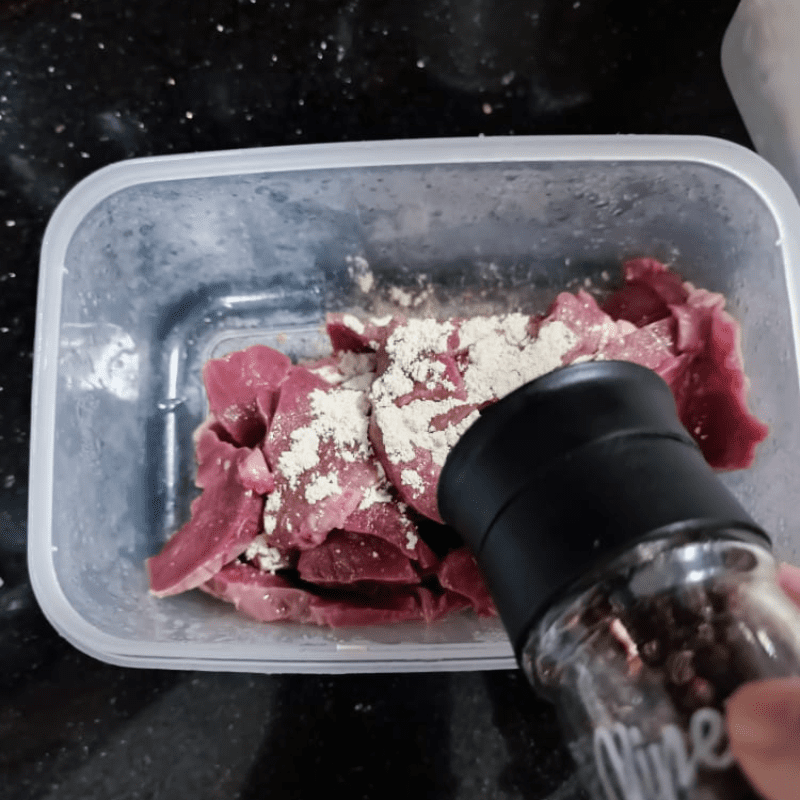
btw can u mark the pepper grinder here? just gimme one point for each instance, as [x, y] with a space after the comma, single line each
[636, 591]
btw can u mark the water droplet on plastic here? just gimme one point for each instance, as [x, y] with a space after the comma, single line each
[170, 404]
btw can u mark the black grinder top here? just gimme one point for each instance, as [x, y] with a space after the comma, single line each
[573, 469]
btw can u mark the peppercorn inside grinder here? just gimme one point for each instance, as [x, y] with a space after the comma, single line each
[635, 589]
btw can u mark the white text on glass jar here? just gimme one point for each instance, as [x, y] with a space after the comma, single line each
[631, 769]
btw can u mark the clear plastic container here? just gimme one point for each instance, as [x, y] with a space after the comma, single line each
[151, 266]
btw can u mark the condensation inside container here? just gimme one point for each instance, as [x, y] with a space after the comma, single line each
[161, 276]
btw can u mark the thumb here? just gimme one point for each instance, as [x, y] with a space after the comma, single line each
[789, 581]
[763, 720]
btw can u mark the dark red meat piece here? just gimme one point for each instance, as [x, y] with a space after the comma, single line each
[382, 514]
[650, 290]
[319, 480]
[459, 572]
[260, 595]
[438, 605]
[224, 520]
[707, 377]
[214, 453]
[241, 387]
[419, 493]
[270, 598]
[712, 389]
[346, 557]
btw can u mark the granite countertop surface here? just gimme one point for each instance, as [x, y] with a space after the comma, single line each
[86, 84]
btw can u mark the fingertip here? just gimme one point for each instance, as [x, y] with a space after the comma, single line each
[763, 720]
[788, 577]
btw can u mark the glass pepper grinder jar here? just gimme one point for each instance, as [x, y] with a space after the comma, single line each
[636, 591]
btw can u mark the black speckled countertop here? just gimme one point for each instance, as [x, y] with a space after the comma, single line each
[85, 84]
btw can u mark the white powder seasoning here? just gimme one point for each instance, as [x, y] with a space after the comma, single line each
[377, 493]
[323, 486]
[354, 323]
[501, 356]
[412, 479]
[271, 509]
[340, 415]
[266, 558]
[302, 455]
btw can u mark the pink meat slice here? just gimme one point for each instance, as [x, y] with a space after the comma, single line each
[438, 605]
[400, 605]
[708, 379]
[241, 387]
[270, 598]
[214, 455]
[650, 290]
[383, 515]
[418, 364]
[224, 520]
[711, 394]
[594, 329]
[419, 492]
[346, 557]
[459, 573]
[211, 451]
[260, 595]
[320, 479]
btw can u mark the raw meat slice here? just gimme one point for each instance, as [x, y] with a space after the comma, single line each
[400, 605]
[650, 289]
[271, 598]
[381, 514]
[346, 557]
[438, 605]
[592, 328]
[459, 572]
[414, 475]
[708, 383]
[711, 393]
[322, 459]
[241, 387]
[224, 520]
[213, 454]
[211, 451]
[413, 429]
[652, 346]
[258, 594]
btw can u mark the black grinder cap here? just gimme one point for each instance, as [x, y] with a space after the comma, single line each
[571, 470]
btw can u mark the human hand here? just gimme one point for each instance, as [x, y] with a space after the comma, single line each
[763, 719]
